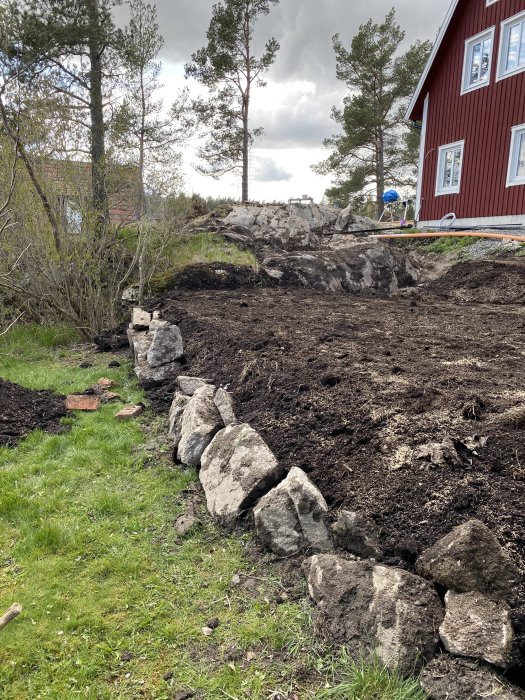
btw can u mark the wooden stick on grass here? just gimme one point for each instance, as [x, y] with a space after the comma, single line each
[13, 611]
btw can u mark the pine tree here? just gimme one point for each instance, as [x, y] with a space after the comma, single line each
[375, 147]
[228, 67]
[140, 131]
[69, 44]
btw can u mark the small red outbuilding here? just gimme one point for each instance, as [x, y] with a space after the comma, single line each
[471, 105]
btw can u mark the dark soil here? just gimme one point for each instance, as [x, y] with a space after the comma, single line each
[346, 388]
[473, 281]
[23, 410]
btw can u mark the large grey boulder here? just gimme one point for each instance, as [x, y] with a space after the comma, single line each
[200, 422]
[356, 534]
[470, 558]
[451, 678]
[179, 403]
[478, 627]
[357, 267]
[166, 346]
[293, 517]
[376, 609]
[150, 377]
[237, 468]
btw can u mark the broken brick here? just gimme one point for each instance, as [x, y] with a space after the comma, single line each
[129, 412]
[82, 402]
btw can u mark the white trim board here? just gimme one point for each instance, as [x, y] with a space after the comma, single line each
[481, 221]
[435, 49]
[421, 166]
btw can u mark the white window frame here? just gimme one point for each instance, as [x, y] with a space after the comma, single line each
[442, 150]
[515, 141]
[467, 60]
[491, 2]
[503, 47]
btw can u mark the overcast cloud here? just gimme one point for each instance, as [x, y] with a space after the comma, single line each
[294, 108]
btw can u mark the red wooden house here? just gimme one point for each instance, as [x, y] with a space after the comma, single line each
[471, 104]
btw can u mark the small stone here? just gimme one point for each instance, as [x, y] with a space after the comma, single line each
[450, 678]
[114, 363]
[187, 520]
[355, 534]
[129, 412]
[470, 558]
[224, 402]
[235, 580]
[168, 676]
[207, 631]
[250, 656]
[81, 402]
[189, 385]
[478, 627]
[179, 403]
[213, 623]
[140, 319]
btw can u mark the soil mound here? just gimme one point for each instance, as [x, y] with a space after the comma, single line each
[23, 410]
[483, 281]
[216, 276]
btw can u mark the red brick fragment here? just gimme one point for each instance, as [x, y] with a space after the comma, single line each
[129, 412]
[103, 384]
[82, 402]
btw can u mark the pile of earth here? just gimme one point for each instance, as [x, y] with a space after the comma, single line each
[23, 410]
[483, 281]
[362, 393]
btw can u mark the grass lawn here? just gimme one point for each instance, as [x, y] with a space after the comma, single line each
[114, 601]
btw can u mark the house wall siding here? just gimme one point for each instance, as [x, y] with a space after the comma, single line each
[483, 118]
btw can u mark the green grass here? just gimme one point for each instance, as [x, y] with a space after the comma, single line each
[208, 248]
[88, 547]
[449, 245]
[372, 681]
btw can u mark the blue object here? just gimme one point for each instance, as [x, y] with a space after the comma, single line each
[390, 196]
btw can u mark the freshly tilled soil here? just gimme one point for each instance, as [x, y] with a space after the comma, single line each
[347, 388]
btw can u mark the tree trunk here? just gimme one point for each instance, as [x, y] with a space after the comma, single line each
[98, 151]
[380, 171]
[141, 206]
[53, 222]
[245, 149]
[245, 110]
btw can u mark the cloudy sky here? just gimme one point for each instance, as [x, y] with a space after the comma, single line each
[294, 108]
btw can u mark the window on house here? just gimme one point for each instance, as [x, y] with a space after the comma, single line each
[516, 171]
[478, 61]
[512, 46]
[450, 161]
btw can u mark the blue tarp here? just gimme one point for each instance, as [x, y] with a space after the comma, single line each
[390, 196]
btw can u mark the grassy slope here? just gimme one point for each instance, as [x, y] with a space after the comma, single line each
[87, 546]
